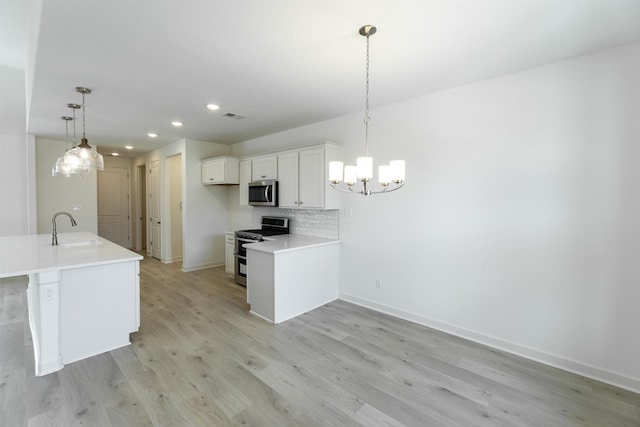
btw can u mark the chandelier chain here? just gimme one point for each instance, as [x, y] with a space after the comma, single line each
[73, 110]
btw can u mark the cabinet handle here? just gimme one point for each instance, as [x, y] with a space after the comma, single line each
[210, 179]
[264, 176]
[300, 203]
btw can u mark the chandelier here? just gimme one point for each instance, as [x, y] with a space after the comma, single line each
[78, 160]
[393, 173]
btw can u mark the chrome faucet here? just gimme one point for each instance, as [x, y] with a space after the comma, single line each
[54, 235]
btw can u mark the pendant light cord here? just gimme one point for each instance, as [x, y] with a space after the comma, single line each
[83, 128]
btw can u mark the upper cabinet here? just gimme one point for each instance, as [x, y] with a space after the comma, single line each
[264, 167]
[303, 178]
[220, 170]
[245, 179]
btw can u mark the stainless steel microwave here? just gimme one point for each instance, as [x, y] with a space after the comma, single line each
[263, 193]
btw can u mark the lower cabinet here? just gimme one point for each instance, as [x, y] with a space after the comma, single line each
[291, 282]
[230, 242]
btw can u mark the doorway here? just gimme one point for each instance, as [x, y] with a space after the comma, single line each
[154, 208]
[113, 205]
[141, 208]
[174, 204]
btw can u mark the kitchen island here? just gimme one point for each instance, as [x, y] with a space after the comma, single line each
[83, 294]
[290, 274]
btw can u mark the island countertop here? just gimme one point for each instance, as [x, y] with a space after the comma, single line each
[289, 242]
[33, 253]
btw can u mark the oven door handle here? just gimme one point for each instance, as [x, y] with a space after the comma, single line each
[242, 257]
[239, 239]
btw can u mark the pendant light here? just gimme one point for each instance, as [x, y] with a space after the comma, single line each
[84, 149]
[71, 163]
[362, 172]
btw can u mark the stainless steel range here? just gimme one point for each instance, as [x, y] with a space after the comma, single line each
[270, 226]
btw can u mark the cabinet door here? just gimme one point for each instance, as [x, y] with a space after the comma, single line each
[245, 179]
[213, 172]
[288, 180]
[311, 179]
[230, 259]
[264, 168]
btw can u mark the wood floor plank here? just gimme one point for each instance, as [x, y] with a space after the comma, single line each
[201, 359]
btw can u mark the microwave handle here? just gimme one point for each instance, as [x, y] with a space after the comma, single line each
[266, 193]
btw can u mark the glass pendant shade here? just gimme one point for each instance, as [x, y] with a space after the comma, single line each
[365, 168]
[336, 171]
[350, 175]
[90, 154]
[384, 175]
[71, 164]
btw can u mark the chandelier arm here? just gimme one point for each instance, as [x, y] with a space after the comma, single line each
[387, 190]
[336, 187]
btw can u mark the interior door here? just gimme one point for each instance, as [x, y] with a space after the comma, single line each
[113, 205]
[154, 203]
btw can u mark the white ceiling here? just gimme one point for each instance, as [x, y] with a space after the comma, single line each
[282, 64]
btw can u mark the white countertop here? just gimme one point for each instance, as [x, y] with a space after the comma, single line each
[34, 253]
[289, 242]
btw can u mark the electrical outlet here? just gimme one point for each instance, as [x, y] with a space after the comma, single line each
[378, 283]
[49, 294]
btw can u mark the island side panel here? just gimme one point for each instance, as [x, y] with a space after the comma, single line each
[260, 285]
[305, 279]
[99, 307]
[43, 300]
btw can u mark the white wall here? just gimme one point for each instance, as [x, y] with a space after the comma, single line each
[13, 161]
[518, 223]
[205, 211]
[58, 193]
[13, 185]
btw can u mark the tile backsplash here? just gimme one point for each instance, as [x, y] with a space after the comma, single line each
[308, 222]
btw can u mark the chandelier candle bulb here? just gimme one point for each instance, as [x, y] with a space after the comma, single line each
[365, 168]
[397, 171]
[350, 175]
[384, 175]
[335, 172]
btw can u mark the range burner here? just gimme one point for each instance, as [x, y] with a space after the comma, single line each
[271, 226]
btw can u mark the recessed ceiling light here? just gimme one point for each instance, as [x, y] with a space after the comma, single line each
[115, 154]
[152, 135]
[177, 124]
[213, 107]
[130, 147]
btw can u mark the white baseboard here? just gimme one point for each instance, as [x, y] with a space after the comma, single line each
[189, 268]
[593, 372]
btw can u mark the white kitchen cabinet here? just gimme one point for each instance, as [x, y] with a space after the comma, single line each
[220, 170]
[291, 276]
[229, 248]
[245, 179]
[303, 178]
[288, 182]
[264, 167]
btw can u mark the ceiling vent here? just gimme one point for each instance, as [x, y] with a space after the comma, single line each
[234, 116]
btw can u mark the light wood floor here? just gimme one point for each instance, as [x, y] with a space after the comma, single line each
[200, 359]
